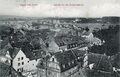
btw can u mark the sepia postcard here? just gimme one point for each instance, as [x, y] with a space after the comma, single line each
[59, 38]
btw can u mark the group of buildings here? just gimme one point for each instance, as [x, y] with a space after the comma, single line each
[57, 56]
[61, 53]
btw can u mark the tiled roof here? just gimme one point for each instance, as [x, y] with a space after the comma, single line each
[101, 61]
[68, 57]
[13, 52]
[4, 70]
[7, 71]
[36, 54]
[4, 42]
[31, 53]
[64, 40]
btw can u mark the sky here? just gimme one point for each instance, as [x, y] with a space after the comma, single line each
[47, 8]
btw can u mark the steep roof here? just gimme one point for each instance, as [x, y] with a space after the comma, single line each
[64, 40]
[36, 54]
[7, 71]
[4, 70]
[13, 52]
[101, 62]
[67, 57]
[31, 53]
[4, 42]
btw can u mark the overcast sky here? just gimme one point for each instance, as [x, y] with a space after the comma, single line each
[46, 8]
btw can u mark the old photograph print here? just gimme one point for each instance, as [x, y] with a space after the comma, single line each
[59, 38]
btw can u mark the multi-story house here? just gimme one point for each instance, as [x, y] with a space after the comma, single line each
[62, 64]
[62, 43]
[22, 60]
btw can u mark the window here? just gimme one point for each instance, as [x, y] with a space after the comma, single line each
[63, 66]
[17, 69]
[22, 63]
[21, 69]
[18, 64]
[53, 59]
[21, 58]
[28, 61]
[18, 59]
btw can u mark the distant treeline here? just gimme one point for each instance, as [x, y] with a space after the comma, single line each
[111, 38]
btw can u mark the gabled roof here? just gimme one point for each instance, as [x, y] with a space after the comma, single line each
[59, 41]
[8, 46]
[65, 40]
[4, 70]
[13, 52]
[101, 62]
[36, 54]
[4, 42]
[67, 57]
[7, 71]
[32, 53]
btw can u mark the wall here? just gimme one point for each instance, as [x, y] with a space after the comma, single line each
[16, 61]
[27, 63]
[53, 46]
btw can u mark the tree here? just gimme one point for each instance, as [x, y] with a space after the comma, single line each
[111, 37]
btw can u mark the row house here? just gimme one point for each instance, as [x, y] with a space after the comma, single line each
[62, 64]
[62, 43]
